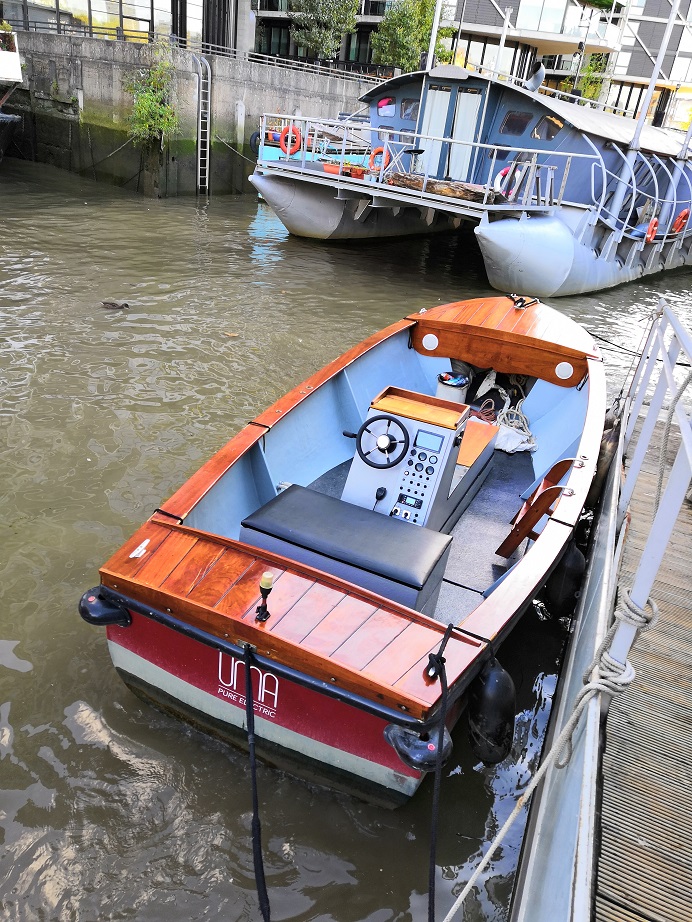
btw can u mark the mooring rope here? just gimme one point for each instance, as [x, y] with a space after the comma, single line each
[664, 441]
[91, 167]
[256, 826]
[613, 679]
[436, 669]
[234, 150]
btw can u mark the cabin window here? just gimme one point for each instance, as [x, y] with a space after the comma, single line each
[409, 109]
[386, 133]
[547, 128]
[386, 107]
[515, 123]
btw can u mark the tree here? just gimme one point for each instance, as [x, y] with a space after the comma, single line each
[404, 34]
[319, 24]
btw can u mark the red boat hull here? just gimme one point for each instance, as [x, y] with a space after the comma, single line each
[297, 728]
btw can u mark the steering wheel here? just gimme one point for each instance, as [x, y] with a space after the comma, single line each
[388, 443]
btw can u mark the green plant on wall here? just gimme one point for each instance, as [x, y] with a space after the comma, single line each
[591, 79]
[153, 117]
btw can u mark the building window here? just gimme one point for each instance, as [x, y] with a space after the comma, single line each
[359, 47]
[547, 128]
[515, 123]
[541, 15]
[273, 39]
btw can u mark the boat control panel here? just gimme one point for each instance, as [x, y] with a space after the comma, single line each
[406, 452]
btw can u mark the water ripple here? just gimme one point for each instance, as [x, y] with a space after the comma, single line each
[110, 809]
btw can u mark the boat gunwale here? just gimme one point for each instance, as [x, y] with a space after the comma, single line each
[282, 670]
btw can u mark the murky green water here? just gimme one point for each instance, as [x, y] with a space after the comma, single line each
[108, 809]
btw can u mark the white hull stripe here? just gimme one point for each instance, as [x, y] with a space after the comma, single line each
[289, 740]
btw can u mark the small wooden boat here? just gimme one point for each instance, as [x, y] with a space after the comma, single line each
[329, 572]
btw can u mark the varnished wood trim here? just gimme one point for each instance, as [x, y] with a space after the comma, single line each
[417, 700]
[286, 403]
[199, 484]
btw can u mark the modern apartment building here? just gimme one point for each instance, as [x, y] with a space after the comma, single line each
[510, 35]
[604, 52]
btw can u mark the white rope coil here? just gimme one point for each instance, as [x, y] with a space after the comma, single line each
[626, 612]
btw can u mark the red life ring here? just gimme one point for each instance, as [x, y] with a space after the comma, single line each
[283, 139]
[385, 158]
[498, 184]
[681, 220]
[651, 230]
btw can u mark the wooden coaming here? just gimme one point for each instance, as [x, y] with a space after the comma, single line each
[319, 625]
[494, 333]
[422, 407]
[477, 436]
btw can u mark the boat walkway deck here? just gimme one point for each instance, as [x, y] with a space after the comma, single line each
[645, 863]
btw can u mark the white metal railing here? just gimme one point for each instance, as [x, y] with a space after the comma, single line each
[504, 77]
[664, 369]
[116, 33]
[527, 184]
[668, 205]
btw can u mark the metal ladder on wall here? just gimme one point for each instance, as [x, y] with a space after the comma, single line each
[203, 123]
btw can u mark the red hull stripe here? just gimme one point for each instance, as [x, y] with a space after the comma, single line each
[288, 715]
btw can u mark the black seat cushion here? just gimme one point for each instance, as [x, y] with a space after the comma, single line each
[368, 540]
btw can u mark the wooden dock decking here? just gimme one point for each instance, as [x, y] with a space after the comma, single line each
[645, 864]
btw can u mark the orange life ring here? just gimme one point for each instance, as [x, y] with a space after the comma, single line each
[681, 220]
[385, 158]
[283, 139]
[651, 230]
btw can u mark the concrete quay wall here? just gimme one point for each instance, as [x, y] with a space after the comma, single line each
[74, 111]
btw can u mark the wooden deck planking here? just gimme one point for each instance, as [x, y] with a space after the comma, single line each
[645, 862]
[336, 632]
[307, 613]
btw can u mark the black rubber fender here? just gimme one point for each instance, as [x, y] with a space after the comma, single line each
[254, 142]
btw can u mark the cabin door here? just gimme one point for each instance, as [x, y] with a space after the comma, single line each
[468, 103]
[437, 101]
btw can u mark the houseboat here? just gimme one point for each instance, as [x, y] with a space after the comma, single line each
[564, 196]
[10, 77]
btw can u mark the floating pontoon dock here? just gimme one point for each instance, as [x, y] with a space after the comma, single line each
[609, 837]
[645, 866]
